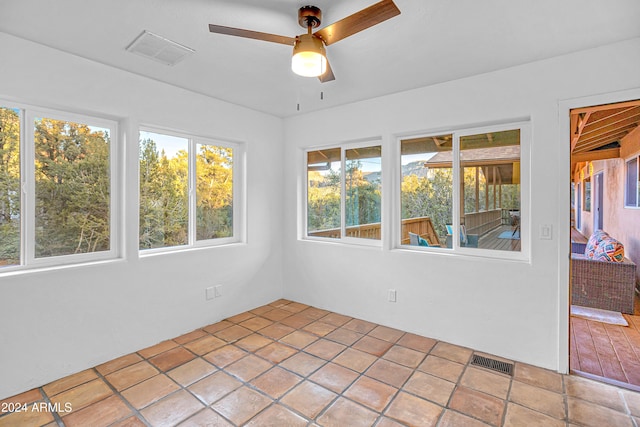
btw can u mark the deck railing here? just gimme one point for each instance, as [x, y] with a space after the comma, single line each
[421, 226]
[481, 222]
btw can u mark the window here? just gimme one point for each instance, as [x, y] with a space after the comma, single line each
[587, 194]
[632, 184]
[468, 178]
[57, 203]
[171, 213]
[344, 187]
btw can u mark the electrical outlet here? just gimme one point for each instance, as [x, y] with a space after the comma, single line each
[217, 291]
[392, 295]
[210, 293]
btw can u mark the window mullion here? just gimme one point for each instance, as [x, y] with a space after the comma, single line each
[191, 173]
[457, 191]
[27, 211]
[343, 195]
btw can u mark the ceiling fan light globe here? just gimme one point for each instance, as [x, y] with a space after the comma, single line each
[309, 64]
[309, 58]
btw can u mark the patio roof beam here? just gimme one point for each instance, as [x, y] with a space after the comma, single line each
[590, 156]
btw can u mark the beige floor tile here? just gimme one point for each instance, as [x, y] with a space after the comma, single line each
[171, 358]
[225, 355]
[276, 331]
[413, 411]
[206, 418]
[372, 345]
[172, 409]
[277, 314]
[595, 392]
[205, 344]
[149, 391]
[191, 336]
[276, 382]
[537, 398]
[131, 375]
[253, 342]
[354, 359]
[389, 372]
[371, 393]
[26, 418]
[452, 352]
[241, 405]
[83, 395]
[191, 371]
[233, 333]
[216, 327]
[299, 339]
[477, 405]
[482, 380]
[588, 414]
[344, 336]
[633, 401]
[256, 323]
[538, 377]
[443, 368]
[360, 326]
[416, 342]
[335, 319]
[129, 422]
[258, 311]
[344, 412]
[325, 349]
[319, 328]
[103, 413]
[157, 349]
[385, 333]
[334, 377]
[303, 364]
[277, 416]
[248, 367]
[214, 387]
[314, 313]
[119, 363]
[388, 422]
[404, 356]
[69, 382]
[430, 388]
[297, 321]
[22, 398]
[308, 399]
[520, 416]
[294, 307]
[276, 352]
[238, 318]
[456, 419]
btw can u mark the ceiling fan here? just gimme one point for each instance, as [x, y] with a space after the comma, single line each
[309, 55]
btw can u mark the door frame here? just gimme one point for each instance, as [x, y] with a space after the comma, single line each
[564, 207]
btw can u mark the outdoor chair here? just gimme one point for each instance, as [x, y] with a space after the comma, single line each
[467, 240]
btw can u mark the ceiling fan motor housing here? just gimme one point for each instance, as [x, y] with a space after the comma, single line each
[309, 16]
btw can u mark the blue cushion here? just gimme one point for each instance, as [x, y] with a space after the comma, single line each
[422, 242]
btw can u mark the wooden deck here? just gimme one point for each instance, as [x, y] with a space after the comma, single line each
[490, 240]
[607, 351]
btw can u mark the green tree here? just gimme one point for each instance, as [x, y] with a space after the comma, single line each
[9, 187]
[72, 188]
[214, 192]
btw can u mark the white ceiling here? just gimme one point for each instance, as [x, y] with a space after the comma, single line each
[430, 42]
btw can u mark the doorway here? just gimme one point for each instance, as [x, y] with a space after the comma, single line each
[599, 144]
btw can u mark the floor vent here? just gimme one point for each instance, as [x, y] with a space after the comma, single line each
[494, 365]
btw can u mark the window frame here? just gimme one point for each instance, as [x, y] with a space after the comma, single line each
[238, 191]
[635, 157]
[28, 260]
[373, 142]
[524, 126]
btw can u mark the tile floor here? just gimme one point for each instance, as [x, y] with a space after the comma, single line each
[288, 364]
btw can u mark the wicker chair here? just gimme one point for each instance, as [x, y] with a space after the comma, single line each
[602, 284]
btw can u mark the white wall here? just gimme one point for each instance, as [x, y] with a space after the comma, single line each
[56, 322]
[513, 309]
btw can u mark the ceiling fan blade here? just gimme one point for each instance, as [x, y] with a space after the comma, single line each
[328, 75]
[230, 31]
[359, 21]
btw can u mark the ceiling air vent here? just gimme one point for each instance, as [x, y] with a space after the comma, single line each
[159, 48]
[493, 364]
